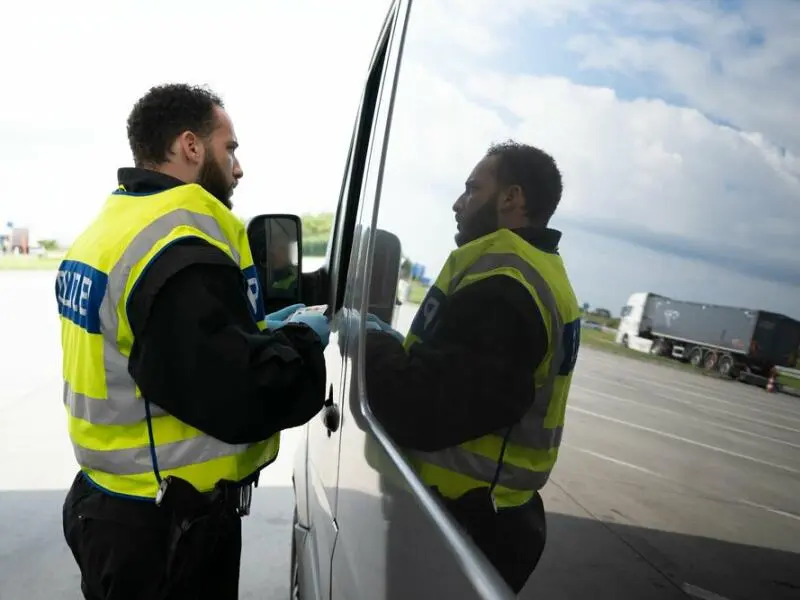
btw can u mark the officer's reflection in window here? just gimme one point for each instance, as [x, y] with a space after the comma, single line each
[274, 250]
[476, 392]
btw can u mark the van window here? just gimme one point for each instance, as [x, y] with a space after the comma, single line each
[341, 236]
[652, 119]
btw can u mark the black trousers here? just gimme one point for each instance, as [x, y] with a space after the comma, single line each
[513, 539]
[121, 548]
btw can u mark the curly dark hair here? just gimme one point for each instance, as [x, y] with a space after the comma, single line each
[165, 112]
[535, 172]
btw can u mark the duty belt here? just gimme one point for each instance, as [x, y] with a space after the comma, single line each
[237, 497]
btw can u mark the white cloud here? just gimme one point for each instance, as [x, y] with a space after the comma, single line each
[638, 165]
[739, 66]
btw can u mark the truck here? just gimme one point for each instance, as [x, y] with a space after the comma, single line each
[738, 343]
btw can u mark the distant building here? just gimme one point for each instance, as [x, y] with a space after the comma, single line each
[15, 240]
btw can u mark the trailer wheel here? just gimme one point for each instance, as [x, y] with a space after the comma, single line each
[727, 366]
[711, 360]
[696, 357]
[625, 340]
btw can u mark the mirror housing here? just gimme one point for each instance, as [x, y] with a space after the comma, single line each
[385, 275]
[276, 243]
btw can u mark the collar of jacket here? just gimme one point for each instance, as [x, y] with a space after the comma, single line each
[543, 238]
[144, 181]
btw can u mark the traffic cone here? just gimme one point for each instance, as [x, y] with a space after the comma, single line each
[771, 382]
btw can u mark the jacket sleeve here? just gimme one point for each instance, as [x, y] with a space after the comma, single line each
[473, 377]
[199, 355]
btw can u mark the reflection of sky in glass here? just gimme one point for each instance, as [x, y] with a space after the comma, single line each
[672, 124]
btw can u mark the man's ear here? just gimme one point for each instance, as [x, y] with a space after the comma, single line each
[512, 199]
[191, 148]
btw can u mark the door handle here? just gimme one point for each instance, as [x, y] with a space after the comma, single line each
[331, 416]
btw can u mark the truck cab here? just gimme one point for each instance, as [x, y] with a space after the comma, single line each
[634, 324]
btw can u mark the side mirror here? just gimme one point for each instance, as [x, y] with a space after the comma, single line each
[276, 242]
[385, 275]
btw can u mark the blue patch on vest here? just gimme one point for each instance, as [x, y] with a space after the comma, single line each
[79, 291]
[254, 293]
[571, 341]
[429, 314]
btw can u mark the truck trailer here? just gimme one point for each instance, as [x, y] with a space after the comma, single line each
[739, 343]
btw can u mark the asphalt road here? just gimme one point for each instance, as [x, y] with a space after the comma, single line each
[669, 485]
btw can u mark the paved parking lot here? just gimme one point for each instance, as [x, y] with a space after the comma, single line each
[669, 485]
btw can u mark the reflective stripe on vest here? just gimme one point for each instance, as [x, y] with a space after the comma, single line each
[532, 444]
[286, 282]
[531, 431]
[109, 428]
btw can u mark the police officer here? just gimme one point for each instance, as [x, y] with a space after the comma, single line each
[175, 396]
[283, 274]
[285, 277]
[477, 391]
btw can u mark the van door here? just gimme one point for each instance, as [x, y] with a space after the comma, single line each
[324, 432]
[394, 538]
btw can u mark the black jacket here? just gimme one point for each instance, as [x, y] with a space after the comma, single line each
[199, 355]
[474, 376]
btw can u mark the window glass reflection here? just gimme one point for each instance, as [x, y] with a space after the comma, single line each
[671, 130]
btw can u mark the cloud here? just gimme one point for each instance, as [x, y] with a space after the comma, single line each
[720, 254]
[606, 269]
[643, 165]
[703, 178]
[739, 66]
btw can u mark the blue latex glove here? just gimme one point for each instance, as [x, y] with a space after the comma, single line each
[374, 323]
[284, 313]
[278, 319]
[317, 321]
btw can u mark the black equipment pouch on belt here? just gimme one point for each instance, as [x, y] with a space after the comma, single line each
[197, 524]
[474, 511]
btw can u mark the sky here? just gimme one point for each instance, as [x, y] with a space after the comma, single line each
[673, 123]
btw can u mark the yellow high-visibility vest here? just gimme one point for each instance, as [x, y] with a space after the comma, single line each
[121, 442]
[287, 282]
[531, 446]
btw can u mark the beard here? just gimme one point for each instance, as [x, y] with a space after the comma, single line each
[483, 222]
[212, 179]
